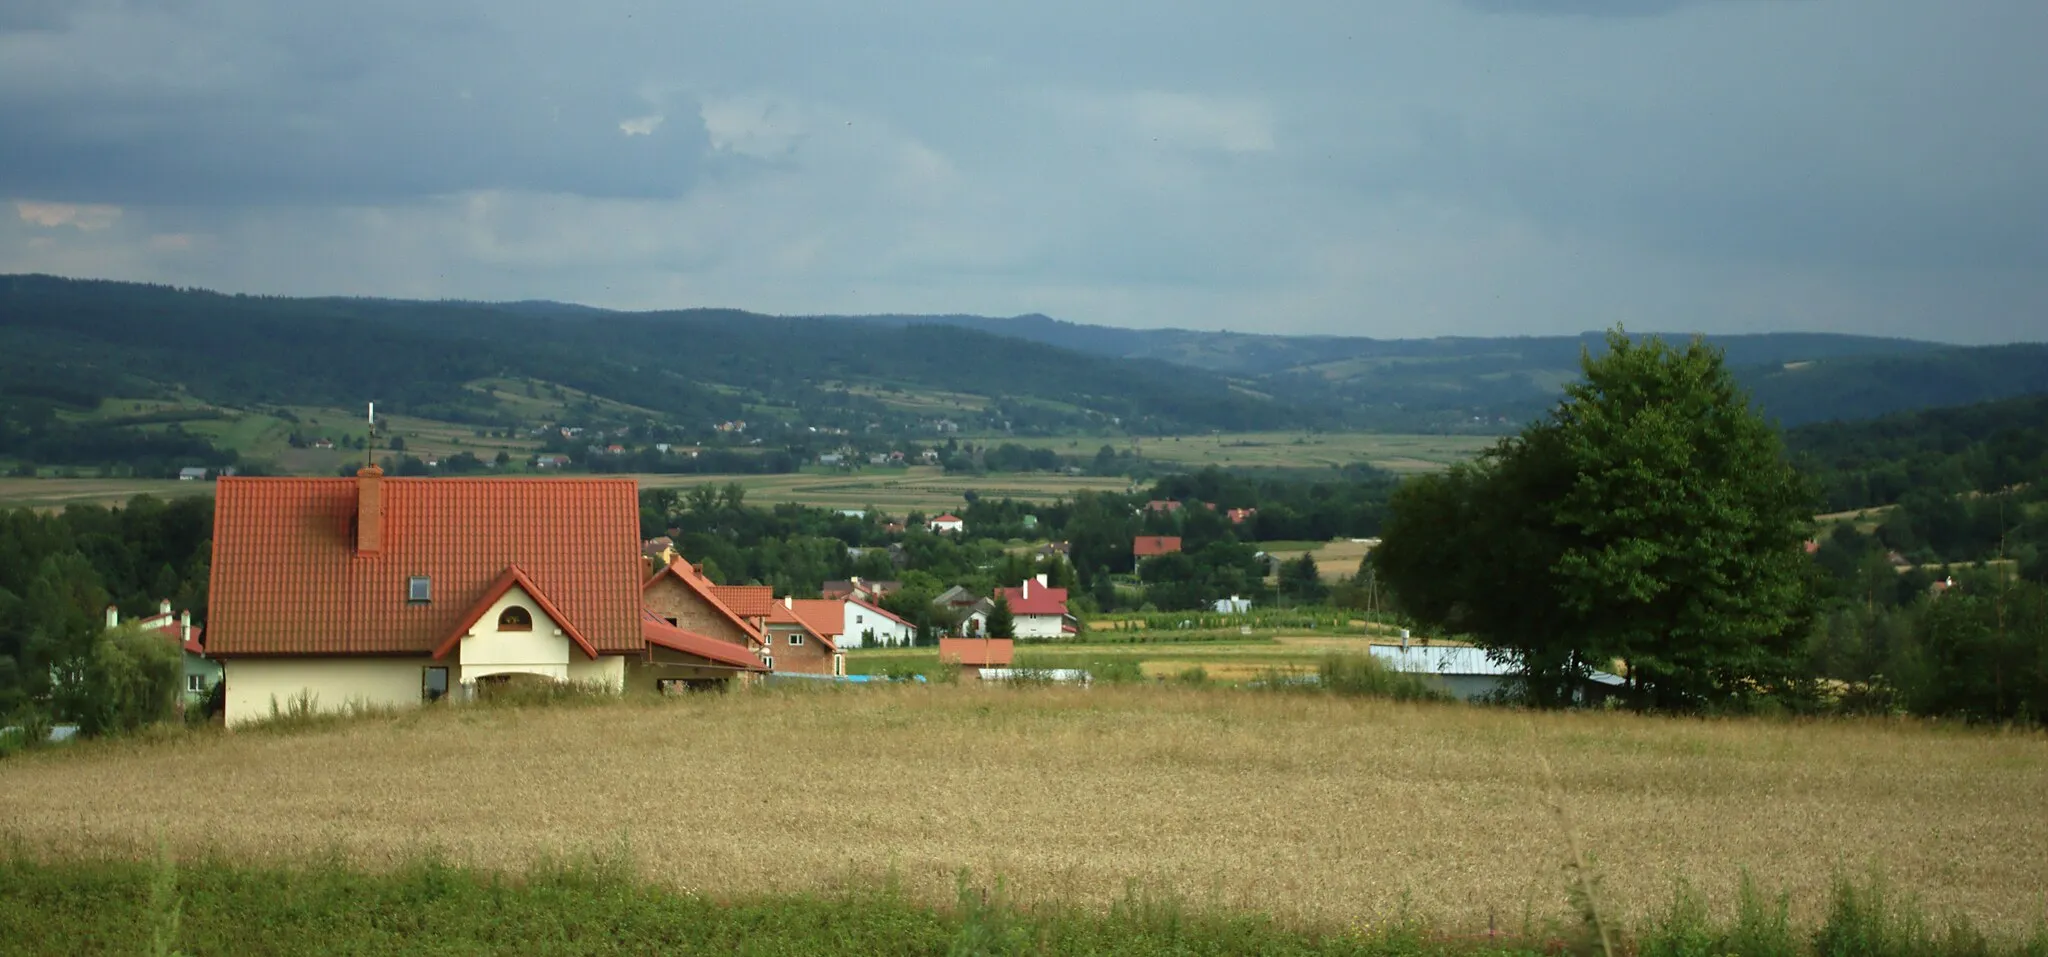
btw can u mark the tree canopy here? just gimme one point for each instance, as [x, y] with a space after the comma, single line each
[1649, 523]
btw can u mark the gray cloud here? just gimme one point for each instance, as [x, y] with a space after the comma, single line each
[1408, 168]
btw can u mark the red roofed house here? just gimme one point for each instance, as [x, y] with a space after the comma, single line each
[974, 654]
[681, 595]
[803, 637]
[1164, 505]
[947, 523]
[391, 592]
[1036, 611]
[1239, 516]
[1147, 546]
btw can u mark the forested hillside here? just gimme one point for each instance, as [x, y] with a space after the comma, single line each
[84, 339]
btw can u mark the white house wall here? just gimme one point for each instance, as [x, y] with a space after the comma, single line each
[861, 620]
[1038, 626]
[331, 684]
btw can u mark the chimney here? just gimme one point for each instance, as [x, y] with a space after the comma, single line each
[1027, 588]
[113, 617]
[185, 625]
[1041, 581]
[163, 606]
[369, 510]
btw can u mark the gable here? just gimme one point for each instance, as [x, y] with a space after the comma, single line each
[671, 596]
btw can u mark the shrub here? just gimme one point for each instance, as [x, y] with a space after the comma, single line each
[127, 678]
[1365, 676]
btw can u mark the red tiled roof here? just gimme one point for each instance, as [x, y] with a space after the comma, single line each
[1146, 546]
[749, 601]
[784, 615]
[287, 578]
[655, 631]
[948, 517]
[506, 582]
[826, 616]
[706, 589]
[1041, 601]
[978, 652]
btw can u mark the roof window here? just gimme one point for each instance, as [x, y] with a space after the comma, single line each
[419, 589]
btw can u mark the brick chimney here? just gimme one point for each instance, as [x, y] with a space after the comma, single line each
[369, 510]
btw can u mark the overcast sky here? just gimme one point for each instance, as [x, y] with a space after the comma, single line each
[1370, 167]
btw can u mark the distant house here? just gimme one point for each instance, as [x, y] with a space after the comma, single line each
[947, 523]
[1036, 611]
[972, 655]
[1232, 605]
[1471, 674]
[870, 624]
[1239, 516]
[658, 551]
[831, 458]
[201, 672]
[928, 456]
[1163, 506]
[956, 598]
[192, 474]
[323, 443]
[1055, 549]
[1148, 546]
[858, 587]
[550, 461]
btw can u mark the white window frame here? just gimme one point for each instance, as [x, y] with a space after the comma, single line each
[796, 638]
[195, 682]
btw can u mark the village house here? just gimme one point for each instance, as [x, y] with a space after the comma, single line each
[1470, 674]
[192, 474]
[947, 523]
[805, 641]
[680, 594]
[973, 655]
[391, 592]
[868, 625]
[1036, 611]
[200, 672]
[658, 551]
[1239, 516]
[1162, 506]
[858, 587]
[1148, 546]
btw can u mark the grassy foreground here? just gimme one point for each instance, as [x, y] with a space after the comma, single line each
[1317, 811]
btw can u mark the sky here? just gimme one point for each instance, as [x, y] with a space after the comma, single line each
[1392, 168]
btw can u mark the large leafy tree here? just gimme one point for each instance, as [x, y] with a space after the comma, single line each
[1650, 519]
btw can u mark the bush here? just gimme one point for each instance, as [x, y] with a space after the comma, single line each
[128, 678]
[1365, 676]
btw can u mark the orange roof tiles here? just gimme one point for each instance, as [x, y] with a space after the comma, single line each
[287, 578]
[977, 652]
[693, 578]
[1146, 546]
[747, 601]
[783, 614]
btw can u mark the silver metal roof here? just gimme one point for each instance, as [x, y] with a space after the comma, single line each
[1458, 660]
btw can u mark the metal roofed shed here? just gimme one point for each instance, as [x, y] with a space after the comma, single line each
[1065, 676]
[1468, 673]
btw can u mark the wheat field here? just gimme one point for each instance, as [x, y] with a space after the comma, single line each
[1311, 808]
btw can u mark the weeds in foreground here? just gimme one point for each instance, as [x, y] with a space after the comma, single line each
[595, 904]
[1366, 676]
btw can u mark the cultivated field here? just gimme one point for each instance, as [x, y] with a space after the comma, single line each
[1393, 452]
[55, 493]
[1335, 560]
[924, 488]
[1304, 806]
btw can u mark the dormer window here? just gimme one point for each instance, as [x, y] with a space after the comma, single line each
[515, 618]
[419, 589]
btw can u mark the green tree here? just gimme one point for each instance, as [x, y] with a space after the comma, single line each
[1650, 519]
[1001, 624]
[1302, 581]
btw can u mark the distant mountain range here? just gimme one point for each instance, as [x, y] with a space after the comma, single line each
[1029, 374]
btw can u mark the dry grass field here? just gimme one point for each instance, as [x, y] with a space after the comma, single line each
[1309, 807]
[1335, 560]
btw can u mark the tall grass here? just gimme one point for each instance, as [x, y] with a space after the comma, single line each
[594, 905]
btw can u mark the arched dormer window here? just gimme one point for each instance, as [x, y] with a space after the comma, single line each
[515, 618]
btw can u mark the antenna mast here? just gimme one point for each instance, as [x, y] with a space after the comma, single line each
[370, 443]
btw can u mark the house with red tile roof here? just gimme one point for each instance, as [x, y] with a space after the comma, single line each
[948, 522]
[858, 587]
[682, 595]
[1239, 516]
[1148, 546]
[1036, 611]
[1164, 506]
[803, 637]
[390, 592]
[971, 655]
